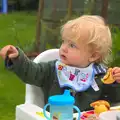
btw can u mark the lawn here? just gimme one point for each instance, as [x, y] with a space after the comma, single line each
[17, 29]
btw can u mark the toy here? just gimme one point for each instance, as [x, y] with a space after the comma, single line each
[100, 106]
[108, 78]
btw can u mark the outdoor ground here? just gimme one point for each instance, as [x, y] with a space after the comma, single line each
[17, 29]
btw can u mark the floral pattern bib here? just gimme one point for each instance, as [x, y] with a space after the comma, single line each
[79, 79]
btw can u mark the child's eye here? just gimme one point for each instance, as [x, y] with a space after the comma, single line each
[62, 41]
[72, 45]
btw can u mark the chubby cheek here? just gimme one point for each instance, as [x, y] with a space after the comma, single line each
[75, 57]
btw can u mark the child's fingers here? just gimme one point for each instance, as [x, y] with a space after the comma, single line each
[13, 52]
[4, 51]
[7, 50]
[115, 70]
[14, 55]
[118, 81]
[116, 74]
[116, 77]
[12, 48]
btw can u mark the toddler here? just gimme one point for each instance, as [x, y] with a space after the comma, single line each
[85, 49]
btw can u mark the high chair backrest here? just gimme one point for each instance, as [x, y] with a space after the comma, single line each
[34, 94]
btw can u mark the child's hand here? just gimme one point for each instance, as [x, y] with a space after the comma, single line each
[116, 74]
[9, 51]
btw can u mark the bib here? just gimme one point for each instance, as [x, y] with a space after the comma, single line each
[79, 79]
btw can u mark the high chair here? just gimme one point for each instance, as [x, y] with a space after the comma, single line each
[34, 98]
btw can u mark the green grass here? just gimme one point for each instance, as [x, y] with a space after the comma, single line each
[17, 26]
[14, 27]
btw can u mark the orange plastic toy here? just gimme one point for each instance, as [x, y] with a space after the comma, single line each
[108, 78]
[100, 106]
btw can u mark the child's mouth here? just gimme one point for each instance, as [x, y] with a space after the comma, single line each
[63, 57]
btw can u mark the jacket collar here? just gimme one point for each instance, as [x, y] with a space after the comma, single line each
[99, 69]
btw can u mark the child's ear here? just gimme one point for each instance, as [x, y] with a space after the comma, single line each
[95, 56]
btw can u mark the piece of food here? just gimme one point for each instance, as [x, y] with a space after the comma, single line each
[100, 102]
[108, 78]
[92, 117]
[100, 106]
[86, 114]
[40, 114]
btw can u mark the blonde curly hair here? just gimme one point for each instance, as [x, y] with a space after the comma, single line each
[93, 29]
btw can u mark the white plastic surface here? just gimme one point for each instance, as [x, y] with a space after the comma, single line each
[34, 94]
[109, 115]
[28, 112]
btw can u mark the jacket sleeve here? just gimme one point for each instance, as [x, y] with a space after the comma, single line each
[30, 72]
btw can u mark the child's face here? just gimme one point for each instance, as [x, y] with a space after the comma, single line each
[75, 54]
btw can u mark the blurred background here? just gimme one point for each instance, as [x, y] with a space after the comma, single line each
[34, 26]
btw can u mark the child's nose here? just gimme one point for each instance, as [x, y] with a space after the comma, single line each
[64, 48]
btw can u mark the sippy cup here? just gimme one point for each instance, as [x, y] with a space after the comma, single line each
[61, 107]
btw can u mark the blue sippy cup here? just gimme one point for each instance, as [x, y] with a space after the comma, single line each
[61, 107]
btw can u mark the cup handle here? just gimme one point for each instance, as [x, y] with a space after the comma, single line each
[78, 110]
[44, 111]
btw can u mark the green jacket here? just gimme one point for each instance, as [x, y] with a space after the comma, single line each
[44, 75]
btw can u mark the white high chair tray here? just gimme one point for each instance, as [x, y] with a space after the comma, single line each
[28, 112]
